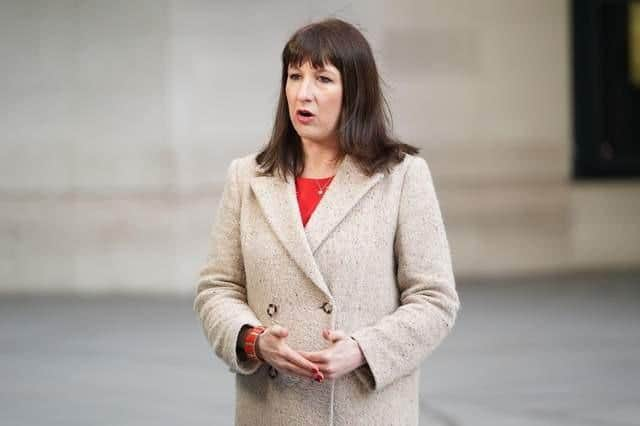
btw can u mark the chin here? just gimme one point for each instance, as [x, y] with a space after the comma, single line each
[308, 135]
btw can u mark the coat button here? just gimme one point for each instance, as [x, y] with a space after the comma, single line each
[272, 309]
[273, 373]
[327, 307]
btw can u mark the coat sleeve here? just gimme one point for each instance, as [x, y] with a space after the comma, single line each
[221, 297]
[397, 344]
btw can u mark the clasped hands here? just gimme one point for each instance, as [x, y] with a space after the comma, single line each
[341, 357]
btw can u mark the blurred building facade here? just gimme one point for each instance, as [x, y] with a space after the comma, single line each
[120, 118]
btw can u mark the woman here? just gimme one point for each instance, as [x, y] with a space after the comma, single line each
[329, 278]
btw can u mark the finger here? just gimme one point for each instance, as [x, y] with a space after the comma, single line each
[302, 362]
[327, 370]
[279, 331]
[319, 357]
[292, 368]
[333, 335]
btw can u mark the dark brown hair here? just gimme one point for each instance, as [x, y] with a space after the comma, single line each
[364, 124]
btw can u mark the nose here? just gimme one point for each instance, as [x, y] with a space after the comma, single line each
[305, 90]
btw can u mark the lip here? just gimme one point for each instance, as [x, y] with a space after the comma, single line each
[304, 119]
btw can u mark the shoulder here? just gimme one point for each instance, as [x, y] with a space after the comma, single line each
[245, 167]
[411, 166]
[413, 176]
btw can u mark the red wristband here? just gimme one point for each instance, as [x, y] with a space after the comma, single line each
[250, 342]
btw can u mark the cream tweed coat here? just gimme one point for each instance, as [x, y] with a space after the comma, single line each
[373, 261]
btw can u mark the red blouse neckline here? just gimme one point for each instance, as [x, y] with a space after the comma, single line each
[306, 178]
[309, 191]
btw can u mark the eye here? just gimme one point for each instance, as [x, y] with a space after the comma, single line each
[325, 79]
[294, 76]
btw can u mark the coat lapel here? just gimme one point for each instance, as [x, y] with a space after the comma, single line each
[347, 187]
[279, 205]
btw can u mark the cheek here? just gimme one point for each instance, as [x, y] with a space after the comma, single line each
[288, 91]
[336, 105]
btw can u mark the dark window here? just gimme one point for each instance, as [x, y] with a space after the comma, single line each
[606, 88]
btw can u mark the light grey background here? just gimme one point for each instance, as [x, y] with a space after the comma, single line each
[119, 119]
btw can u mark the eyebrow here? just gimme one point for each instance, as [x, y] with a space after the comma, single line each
[326, 70]
[319, 69]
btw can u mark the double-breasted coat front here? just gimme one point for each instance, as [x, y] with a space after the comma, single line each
[373, 261]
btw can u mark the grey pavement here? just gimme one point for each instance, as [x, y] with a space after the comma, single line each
[561, 351]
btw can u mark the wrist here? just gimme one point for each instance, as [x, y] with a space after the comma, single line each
[257, 348]
[360, 359]
[242, 335]
[250, 343]
[240, 342]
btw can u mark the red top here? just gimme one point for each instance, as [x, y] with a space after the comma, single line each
[308, 193]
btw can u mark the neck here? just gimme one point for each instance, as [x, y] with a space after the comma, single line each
[320, 160]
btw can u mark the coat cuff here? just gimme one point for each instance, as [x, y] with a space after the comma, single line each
[365, 372]
[237, 365]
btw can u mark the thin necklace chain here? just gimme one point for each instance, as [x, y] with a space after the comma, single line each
[322, 188]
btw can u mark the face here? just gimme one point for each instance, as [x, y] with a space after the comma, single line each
[314, 97]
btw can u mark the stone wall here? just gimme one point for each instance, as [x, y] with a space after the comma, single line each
[120, 118]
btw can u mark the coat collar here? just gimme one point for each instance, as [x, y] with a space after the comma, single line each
[279, 205]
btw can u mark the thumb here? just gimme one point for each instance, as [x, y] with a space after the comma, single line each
[279, 331]
[333, 335]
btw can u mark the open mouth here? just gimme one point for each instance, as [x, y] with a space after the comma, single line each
[305, 113]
